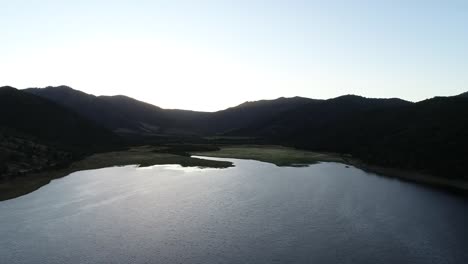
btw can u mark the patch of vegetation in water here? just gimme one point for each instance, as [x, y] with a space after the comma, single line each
[142, 156]
[280, 156]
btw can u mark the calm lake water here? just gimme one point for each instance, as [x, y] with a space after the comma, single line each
[252, 213]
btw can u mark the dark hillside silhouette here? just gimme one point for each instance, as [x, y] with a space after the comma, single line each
[49, 122]
[37, 134]
[249, 113]
[428, 136]
[128, 116]
[118, 113]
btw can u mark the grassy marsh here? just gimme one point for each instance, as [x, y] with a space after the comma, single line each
[278, 155]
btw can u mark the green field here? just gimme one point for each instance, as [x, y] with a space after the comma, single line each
[280, 156]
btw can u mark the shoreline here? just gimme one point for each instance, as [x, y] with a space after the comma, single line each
[423, 179]
[278, 155]
[143, 156]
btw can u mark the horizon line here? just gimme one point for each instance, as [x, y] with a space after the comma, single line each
[239, 104]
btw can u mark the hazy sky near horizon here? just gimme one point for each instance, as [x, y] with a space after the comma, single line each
[209, 55]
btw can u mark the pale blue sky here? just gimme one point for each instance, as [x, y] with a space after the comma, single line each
[209, 55]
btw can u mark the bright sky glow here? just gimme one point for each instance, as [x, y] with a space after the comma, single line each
[209, 55]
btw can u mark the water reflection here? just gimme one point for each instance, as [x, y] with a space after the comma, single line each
[254, 212]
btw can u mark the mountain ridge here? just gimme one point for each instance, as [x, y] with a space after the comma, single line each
[70, 89]
[38, 134]
[383, 131]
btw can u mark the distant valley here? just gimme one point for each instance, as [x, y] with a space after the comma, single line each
[56, 125]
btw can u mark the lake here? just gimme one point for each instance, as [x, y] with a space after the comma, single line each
[254, 212]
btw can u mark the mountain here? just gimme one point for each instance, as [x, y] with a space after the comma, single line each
[316, 115]
[429, 136]
[49, 122]
[247, 114]
[127, 116]
[118, 113]
[36, 133]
